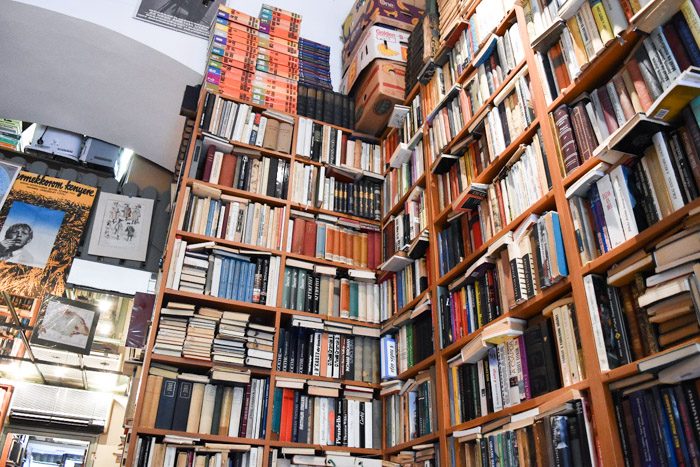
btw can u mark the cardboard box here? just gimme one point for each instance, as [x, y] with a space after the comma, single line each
[377, 42]
[400, 14]
[381, 87]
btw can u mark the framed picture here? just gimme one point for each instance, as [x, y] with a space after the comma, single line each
[8, 174]
[121, 227]
[192, 17]
[66, 324]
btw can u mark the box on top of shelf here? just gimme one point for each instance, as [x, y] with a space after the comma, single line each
[376, 42]
[400, 14]
[380, 89]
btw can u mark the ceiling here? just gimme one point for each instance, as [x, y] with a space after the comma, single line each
[74, 75]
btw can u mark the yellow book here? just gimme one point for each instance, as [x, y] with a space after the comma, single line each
[579, 47]
[692, 18]
[602, 21]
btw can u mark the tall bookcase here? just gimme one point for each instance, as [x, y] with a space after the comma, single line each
[595, 384]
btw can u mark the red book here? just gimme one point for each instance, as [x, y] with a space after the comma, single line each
[561, 73]
[208, 162]
[309, 240]
[246, 409]
[298, 235]
[608, 111]
[287, 415]
[639, 84]
[228, 167]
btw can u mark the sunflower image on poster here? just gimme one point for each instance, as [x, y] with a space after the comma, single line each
[41, 224]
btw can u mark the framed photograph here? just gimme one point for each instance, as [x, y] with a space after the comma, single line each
[66, 324]
[8, 174]
[121, 227]
[192, 17]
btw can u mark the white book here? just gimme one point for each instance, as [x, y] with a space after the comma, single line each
[616, 16]
[668, 61]
[264, 176]
[321, 187]
[236, 408]
[301, 125]
[241, 118]
[174, 258]
[261, 132]
[595, 322]
[248, 128]
[205, 417]
[482, 387]
[369, 422]
[663, 152]
[178, 264]
[216, 167]
[599, 120]
[323, 421]
[251, 412]
[231, 121]
[610, 211]
[624, 201]
[308, 138]
[216, 277]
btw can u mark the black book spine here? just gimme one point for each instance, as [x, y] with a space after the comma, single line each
[280, 350]
[272, 176]
[339, 423]
[317, 293]
[166, 404]
[297, 417]
[552, 373]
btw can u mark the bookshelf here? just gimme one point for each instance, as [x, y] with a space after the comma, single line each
[422, 169]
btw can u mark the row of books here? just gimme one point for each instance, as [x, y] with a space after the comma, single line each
[321, 237]
[555, 433]
[420, 47]
[314, 64]
[400, 230]
[199, 404]
[179, 451]
[245, 170]
[243, 123]
[410, 408]
[412, 121]
[315, 412]
[648, 302]
[515, 189]
[398, 181]
[330, 145]
[313, 186]
[403, 286]
[315, 352]
[232, 218]
[316, 289]
[652, 68]
[248, 276]
[612, 205]
[408, 343]
[326, 106]
[515, 269]
[10, 133]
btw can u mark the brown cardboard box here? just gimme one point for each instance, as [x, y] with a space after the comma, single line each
[381, 87]
[399, 14]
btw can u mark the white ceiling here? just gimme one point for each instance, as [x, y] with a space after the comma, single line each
[91, 68]
[71, 74]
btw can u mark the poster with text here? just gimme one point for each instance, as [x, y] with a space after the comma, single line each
[189, 16]
[41, 224]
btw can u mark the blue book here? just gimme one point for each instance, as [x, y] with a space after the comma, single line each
[687, 38]
[210, 217]
[166, 404]
[599, 218]
[672, 408]
[559, 244]
[234, 285]
[321, 241]
[263, 422]
[223, 277]
[399, 289]
[249, 283]
[664, 423]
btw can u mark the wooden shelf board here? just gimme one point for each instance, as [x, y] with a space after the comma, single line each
[241, 144]
[320, 447]
[315, 210]
[240, 193]
[200, 436]
[408, 445]
[330, 319]
[417, 368]
[224, 303]
[364, 384]
[183, 362]
[193, 237]
[326, 262]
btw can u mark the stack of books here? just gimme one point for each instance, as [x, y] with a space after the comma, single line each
[230, 343]
[10, 133]
[172, 329]
[260, 339]
[201, 329]
[176, 450]
[450, 15]
[314, 64]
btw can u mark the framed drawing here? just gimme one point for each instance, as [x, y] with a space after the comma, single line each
[8, 174]
[121, 227]
[66, 325]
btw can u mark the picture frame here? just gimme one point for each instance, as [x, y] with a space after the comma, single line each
[121, 227]
[66, 324]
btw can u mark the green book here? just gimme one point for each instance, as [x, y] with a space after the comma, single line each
[301, 290]
[287, 286]
[354, 295]
[277, 410]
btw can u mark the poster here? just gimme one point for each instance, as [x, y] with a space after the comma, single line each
[41, 224]
[121, 227]
[189, 16]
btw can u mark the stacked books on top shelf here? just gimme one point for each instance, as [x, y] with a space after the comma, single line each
[325, 413]
[229, 273]
[10, 133]
[178, 450]
[656, 409]
[329, 350]
[649, 301]
[513, 361]
[330, 145]
[407, 342]
[210, 213]
[314, 64]
[609, 112]
[334, 239]
[557, 432]
[324, 291]
[513, 270]
[243, 123]
[335, 190]
[256, 59]
[240, 169]
[612, 204]
[327, 106]
[410, 407]
[226, 402]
